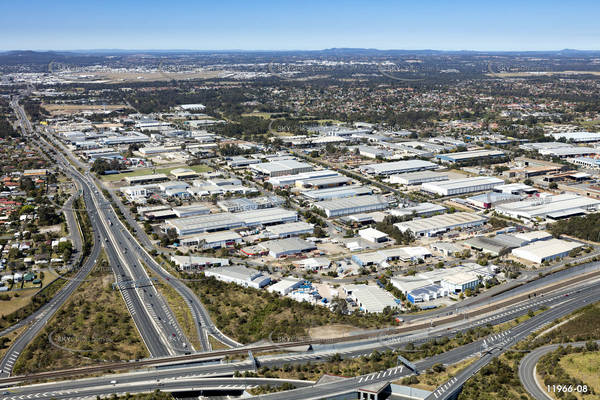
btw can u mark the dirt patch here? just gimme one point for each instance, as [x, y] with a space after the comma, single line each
[332, 331]
[64, 109]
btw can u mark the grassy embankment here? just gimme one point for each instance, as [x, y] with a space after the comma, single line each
[93, 325]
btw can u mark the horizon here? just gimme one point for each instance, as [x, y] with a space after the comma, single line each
[266, 25]
[190, 50]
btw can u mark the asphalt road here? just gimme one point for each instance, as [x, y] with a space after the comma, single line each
[38, 320]
[527, 369]
[489, 348]
[152, 316]
[202, 320]
[495, 348]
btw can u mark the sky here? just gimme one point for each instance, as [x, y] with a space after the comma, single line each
[299, 25]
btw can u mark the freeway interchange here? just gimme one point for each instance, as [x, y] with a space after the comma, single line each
[174, 365]
[203, 376]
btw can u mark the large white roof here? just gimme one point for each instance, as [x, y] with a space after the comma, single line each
[372, 298]
[540, 207]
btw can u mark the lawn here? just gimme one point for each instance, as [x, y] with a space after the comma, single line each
[149, 171]
[584, 366]
[22, 303]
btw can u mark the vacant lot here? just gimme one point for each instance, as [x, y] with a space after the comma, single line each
[249, 315]
[93, 325]
[24, 302]
[67, 109]
[149, 171]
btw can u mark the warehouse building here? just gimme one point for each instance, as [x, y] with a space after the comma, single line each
[314, 263]
[570, 152]
[495, 245]
[194, 263]
[183, 173]
[143, 179]
[190, 211]
[460, 281]
[373, 235]
[239, 275]
[286, 247]
[552, 207]
[426, 293]
[237, 205]
[256, 203]
[225, 221]
[441, 223]
[461, 186]
[285, 286]
[533, 236]
[241, 161]
[491, 199]
[209, 189]
[365, 218]
[290, 180]
[545, 250]
[323, 183]
[397, 167]
[446, 248]
[515, 188]
[281, 168]
[382, 257]
[577, 137]
[159, 215]
[371, 299]
[417, 178]
[442, 282]
[471, 156]
[352, 205]
[290, 229]
[373, 152]
[337, 192]
[419, 210]
[214, 240]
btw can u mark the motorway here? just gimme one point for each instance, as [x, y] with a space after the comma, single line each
[494, 349]
[38, 320]
[202, 320]
[153, 319]
[163, 337]
[527, 369]
[488, 347]
[357, 344]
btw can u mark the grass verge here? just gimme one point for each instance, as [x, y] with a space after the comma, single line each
[93, 325]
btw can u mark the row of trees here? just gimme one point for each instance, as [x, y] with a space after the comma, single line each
[585, 227]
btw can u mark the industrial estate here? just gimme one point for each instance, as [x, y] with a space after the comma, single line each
[314, 227]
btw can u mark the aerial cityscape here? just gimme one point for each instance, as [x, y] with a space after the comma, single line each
[300, 201]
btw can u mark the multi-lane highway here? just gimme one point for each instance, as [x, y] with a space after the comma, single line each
[36, 322]
[153, 318]
[204, 324]
[364, 343]
[494, 349]
[488, 347]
